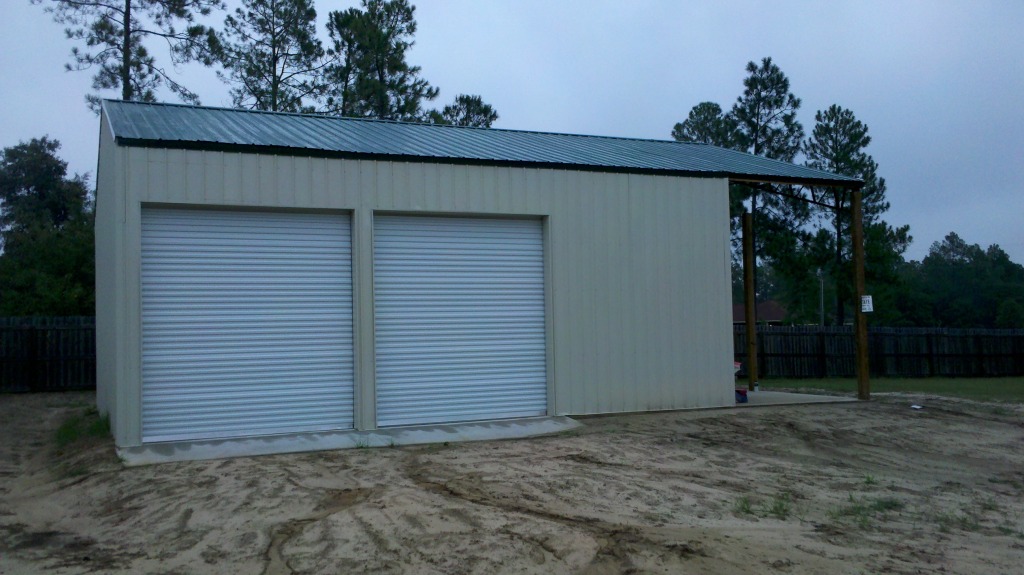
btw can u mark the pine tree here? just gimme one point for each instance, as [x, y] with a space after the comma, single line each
[765, 115]
[271, 55]
[766, 125]
[369, 76]
[465, 111]
[114, 32]
[707, 124]
[837, 144]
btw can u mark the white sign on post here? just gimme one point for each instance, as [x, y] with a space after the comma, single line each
[866, 305]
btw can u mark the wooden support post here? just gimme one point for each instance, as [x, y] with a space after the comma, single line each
[860, 320]
[748, 299]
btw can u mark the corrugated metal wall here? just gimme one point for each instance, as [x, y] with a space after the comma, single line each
[114, 395]
[638, 282]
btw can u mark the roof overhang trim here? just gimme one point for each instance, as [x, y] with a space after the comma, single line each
[348, 155]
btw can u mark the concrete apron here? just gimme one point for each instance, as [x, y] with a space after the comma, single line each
[297, 442]
[764, 398]
[411, 435]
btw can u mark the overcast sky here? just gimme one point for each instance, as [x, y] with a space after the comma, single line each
[939, 83]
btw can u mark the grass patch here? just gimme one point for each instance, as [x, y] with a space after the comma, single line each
[1004, 389]
[988, 504]
[779, 507]
[743, 506]
[86, 424]
[963, 521]
[1011, 482]
[864, 511]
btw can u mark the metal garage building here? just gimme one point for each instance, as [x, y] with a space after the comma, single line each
[262, 273]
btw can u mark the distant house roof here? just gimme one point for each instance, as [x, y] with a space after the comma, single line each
[194, 127]
[769, 311]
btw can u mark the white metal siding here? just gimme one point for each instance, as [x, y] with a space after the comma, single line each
[639, 315]
[459, 315]
[246, 323]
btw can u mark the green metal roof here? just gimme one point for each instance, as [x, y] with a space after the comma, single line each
[195, 127]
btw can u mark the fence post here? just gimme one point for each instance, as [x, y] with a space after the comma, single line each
[760, 351]
[979, 357]
[879, 366]
[930, 343]
[35, 362]
[822, 361]
[1018, 354]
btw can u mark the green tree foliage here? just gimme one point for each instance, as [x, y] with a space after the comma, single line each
[766, 125]
[271, 55]
[837, 144]
[49, 272]
[707, 124]
[1010, 315]
[766, 113]
[345, 29]
[903, 302]
[884, 246]
[765, 116]
[465, 111]
[47, 229]
[113, 33]
[805, 249]
[369, 75]
[34, 189]
[762, 122]
[968, 286]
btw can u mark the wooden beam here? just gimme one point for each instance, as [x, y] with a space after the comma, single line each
[769, 189]
[860, 318]
[749, 302]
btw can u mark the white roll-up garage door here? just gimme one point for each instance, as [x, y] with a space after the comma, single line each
[246, 323]
[459, 316]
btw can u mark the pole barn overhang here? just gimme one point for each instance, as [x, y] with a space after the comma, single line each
[750, 263]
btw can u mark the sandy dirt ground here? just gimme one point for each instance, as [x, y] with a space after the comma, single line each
[846, 488]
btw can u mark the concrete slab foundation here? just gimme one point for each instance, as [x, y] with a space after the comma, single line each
[411, 435]
[762, 398]
[297, 442]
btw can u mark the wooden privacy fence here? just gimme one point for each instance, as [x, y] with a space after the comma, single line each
[59, 353]
[813, 351]
[47, 353]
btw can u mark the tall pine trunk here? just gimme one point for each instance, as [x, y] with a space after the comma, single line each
[126, 53]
